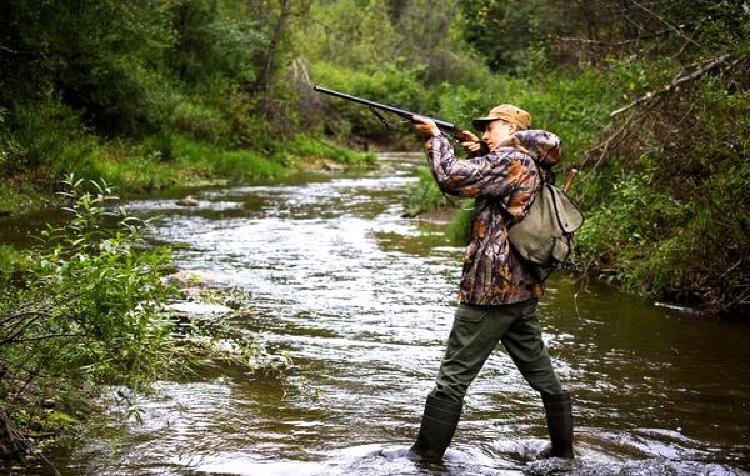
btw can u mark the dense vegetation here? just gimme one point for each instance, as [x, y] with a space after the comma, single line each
[651, 99]
[143, 94]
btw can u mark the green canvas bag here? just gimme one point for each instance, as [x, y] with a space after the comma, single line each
[545, 236]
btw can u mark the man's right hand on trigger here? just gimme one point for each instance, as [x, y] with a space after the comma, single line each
[469, 141]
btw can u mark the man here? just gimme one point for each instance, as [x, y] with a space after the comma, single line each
[499, 292]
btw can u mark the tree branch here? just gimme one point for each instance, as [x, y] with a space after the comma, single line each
[714, 63]
[674, 28]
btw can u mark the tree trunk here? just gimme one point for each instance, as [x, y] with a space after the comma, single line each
[278, 31]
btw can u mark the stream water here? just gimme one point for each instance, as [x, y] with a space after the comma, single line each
[362, 301]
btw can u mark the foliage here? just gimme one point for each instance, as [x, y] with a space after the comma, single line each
[658, 180]
[12, 262]
[390, 85]
[86, 313]
[424, 195]
[90, 311]
[505, 31]
[305, 147]
[209, 161]
[460, 225]
[93, 283]
[673, 220]
[149, 93]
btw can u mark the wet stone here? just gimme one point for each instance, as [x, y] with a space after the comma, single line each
[387, 169]
[332, 167]
[197, 279]
[188, 201]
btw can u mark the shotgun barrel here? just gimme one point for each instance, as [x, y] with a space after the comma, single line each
[445, 126]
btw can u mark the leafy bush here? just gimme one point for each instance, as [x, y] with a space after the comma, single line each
[424, 195]
[90, 311]
[200, 122]
[667, 210]
[41, 133]
[87, 313]
[100, 284]
[12, 261]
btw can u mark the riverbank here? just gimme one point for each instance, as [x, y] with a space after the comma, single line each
[178, 161]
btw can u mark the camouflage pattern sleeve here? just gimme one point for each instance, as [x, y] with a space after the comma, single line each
[545, 145]
[504, 183]
[496, 174]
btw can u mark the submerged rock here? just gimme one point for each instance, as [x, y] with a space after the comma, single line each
[332, 167]
[197, 279]
[387, 169]
[188, 201]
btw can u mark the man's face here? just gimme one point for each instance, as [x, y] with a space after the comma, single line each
[496, 131]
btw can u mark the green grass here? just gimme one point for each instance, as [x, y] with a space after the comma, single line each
[203, 160]
[19, 196]
[460, 225]
[164, 161]
[307, 147]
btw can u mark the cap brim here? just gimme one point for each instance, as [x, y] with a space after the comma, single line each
[479, 122]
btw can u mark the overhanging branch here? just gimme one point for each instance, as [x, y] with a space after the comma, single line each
[674, 84]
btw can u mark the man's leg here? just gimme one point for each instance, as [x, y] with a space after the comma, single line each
[475, 333]
[523, 341]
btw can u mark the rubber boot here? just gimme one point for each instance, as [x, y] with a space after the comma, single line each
[436, 430]
[560, 425]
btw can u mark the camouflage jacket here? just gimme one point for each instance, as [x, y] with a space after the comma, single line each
[503, 183]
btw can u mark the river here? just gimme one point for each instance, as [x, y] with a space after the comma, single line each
[362, 299]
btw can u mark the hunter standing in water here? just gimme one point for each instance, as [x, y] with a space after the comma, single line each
[499, 292]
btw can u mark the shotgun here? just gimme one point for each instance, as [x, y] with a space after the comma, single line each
[444, 126]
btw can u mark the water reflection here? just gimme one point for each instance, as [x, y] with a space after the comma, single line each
[362, 300]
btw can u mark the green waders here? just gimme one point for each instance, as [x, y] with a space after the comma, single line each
[476, 332]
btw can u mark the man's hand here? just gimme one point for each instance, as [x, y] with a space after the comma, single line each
[469, 141]
[425, 126]
[513, 141]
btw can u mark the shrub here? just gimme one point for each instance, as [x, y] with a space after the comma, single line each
[424, 195]
[200, 122]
